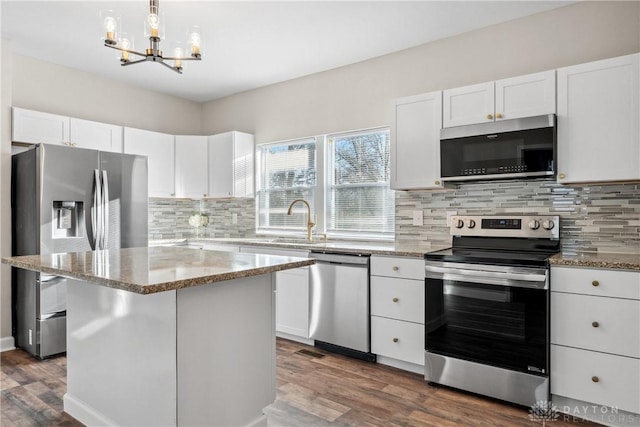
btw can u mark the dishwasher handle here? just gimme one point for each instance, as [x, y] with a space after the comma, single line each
[347, 259]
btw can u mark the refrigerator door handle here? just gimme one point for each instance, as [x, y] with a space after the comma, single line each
[95, 208]
[105, 210]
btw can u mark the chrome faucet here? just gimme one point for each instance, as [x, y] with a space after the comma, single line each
[310, 223]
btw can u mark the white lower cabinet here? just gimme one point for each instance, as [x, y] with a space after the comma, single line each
[292, 295]
[595, 343]
[397, 311]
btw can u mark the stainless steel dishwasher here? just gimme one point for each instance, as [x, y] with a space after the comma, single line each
[340, 304]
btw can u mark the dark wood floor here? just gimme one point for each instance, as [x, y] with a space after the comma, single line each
[315, 388]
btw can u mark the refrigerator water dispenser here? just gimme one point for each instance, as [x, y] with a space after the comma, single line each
[68, 218]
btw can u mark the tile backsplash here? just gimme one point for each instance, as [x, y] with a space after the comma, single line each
[604, 218]
[169, 218]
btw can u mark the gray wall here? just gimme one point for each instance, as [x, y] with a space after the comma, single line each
[359, 95]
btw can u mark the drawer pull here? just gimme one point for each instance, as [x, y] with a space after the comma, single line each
[395, 340]
[595, 324]
[595, 283]
[395, 268]
[395, 300]
[595, 379]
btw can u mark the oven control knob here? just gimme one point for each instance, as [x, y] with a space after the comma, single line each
[459, 223]
[471, 223]
[548, 224]
[534, 224]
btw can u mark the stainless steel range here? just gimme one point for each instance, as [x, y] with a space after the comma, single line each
[487, 307]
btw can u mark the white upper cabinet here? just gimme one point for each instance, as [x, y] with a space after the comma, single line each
[415, 146]
[95, 135]
[159, 149]
[512, 98]
[526, 96]
[231, 158]
[36, 127]
[192, 174]
[599, 121]
[468, 105]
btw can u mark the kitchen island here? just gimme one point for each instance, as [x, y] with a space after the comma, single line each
[167, 335]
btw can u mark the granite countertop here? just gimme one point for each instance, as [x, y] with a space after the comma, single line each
[155, 269]
[598, 260]
[417, 250]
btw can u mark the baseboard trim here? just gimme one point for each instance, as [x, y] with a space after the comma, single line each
[295, 338]
[83, 413]
[7, 343]
[401, 364]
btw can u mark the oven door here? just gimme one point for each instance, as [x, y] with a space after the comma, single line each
[492, 315]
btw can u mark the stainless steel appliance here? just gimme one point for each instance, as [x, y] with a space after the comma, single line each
[496, 150]
[487, 307]
[340, 304]
[67, 199]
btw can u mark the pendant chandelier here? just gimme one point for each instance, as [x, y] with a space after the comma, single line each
[154, 31]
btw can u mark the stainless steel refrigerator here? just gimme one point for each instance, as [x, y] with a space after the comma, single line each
[66, 199]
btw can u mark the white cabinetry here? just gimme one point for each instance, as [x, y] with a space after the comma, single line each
[96, 135]
[415, 147]
[397, 311]
[192, 172]
[292, 296]
[36, 127]
[595, 338]
[159, 149]
[231, 157]
[512, 98]
[599, 121]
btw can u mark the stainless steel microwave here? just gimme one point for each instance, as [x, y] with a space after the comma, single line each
[515, 148]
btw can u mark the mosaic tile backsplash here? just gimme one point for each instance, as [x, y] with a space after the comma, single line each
[602, 218]
[169, 218]
[594, 218]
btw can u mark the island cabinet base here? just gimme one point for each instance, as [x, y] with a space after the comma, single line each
[203, 355]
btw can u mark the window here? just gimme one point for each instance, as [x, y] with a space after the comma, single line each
[287, 171]
[344, 177]
[358, 198]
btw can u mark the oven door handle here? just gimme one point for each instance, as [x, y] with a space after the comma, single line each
[520, 280]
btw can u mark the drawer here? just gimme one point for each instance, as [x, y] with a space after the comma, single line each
[617, 327]
[401, 267]
[401, 299]
[397, 339]
[573, 371]
[610, 283]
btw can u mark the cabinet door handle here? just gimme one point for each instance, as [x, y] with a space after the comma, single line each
[395, 300]
[499, 116]
[595, 379]
[395, 340]
[489, 116]
[595, 283]
[562, 176]
[595, 324]
[437, 182]
[395, 268]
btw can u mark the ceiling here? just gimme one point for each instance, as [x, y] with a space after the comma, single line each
[245, 44]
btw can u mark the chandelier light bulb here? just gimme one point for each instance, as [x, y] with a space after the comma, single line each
[194, 41]
[110, 25]
[154, 24]
[125, 44]
[178, 54]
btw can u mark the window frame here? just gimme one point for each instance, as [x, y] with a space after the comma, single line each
[321, 189]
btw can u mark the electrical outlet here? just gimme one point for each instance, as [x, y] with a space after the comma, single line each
[234, 218]
[418, 217]
[449, 215]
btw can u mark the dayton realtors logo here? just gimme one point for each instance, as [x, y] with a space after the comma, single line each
[543, 411]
